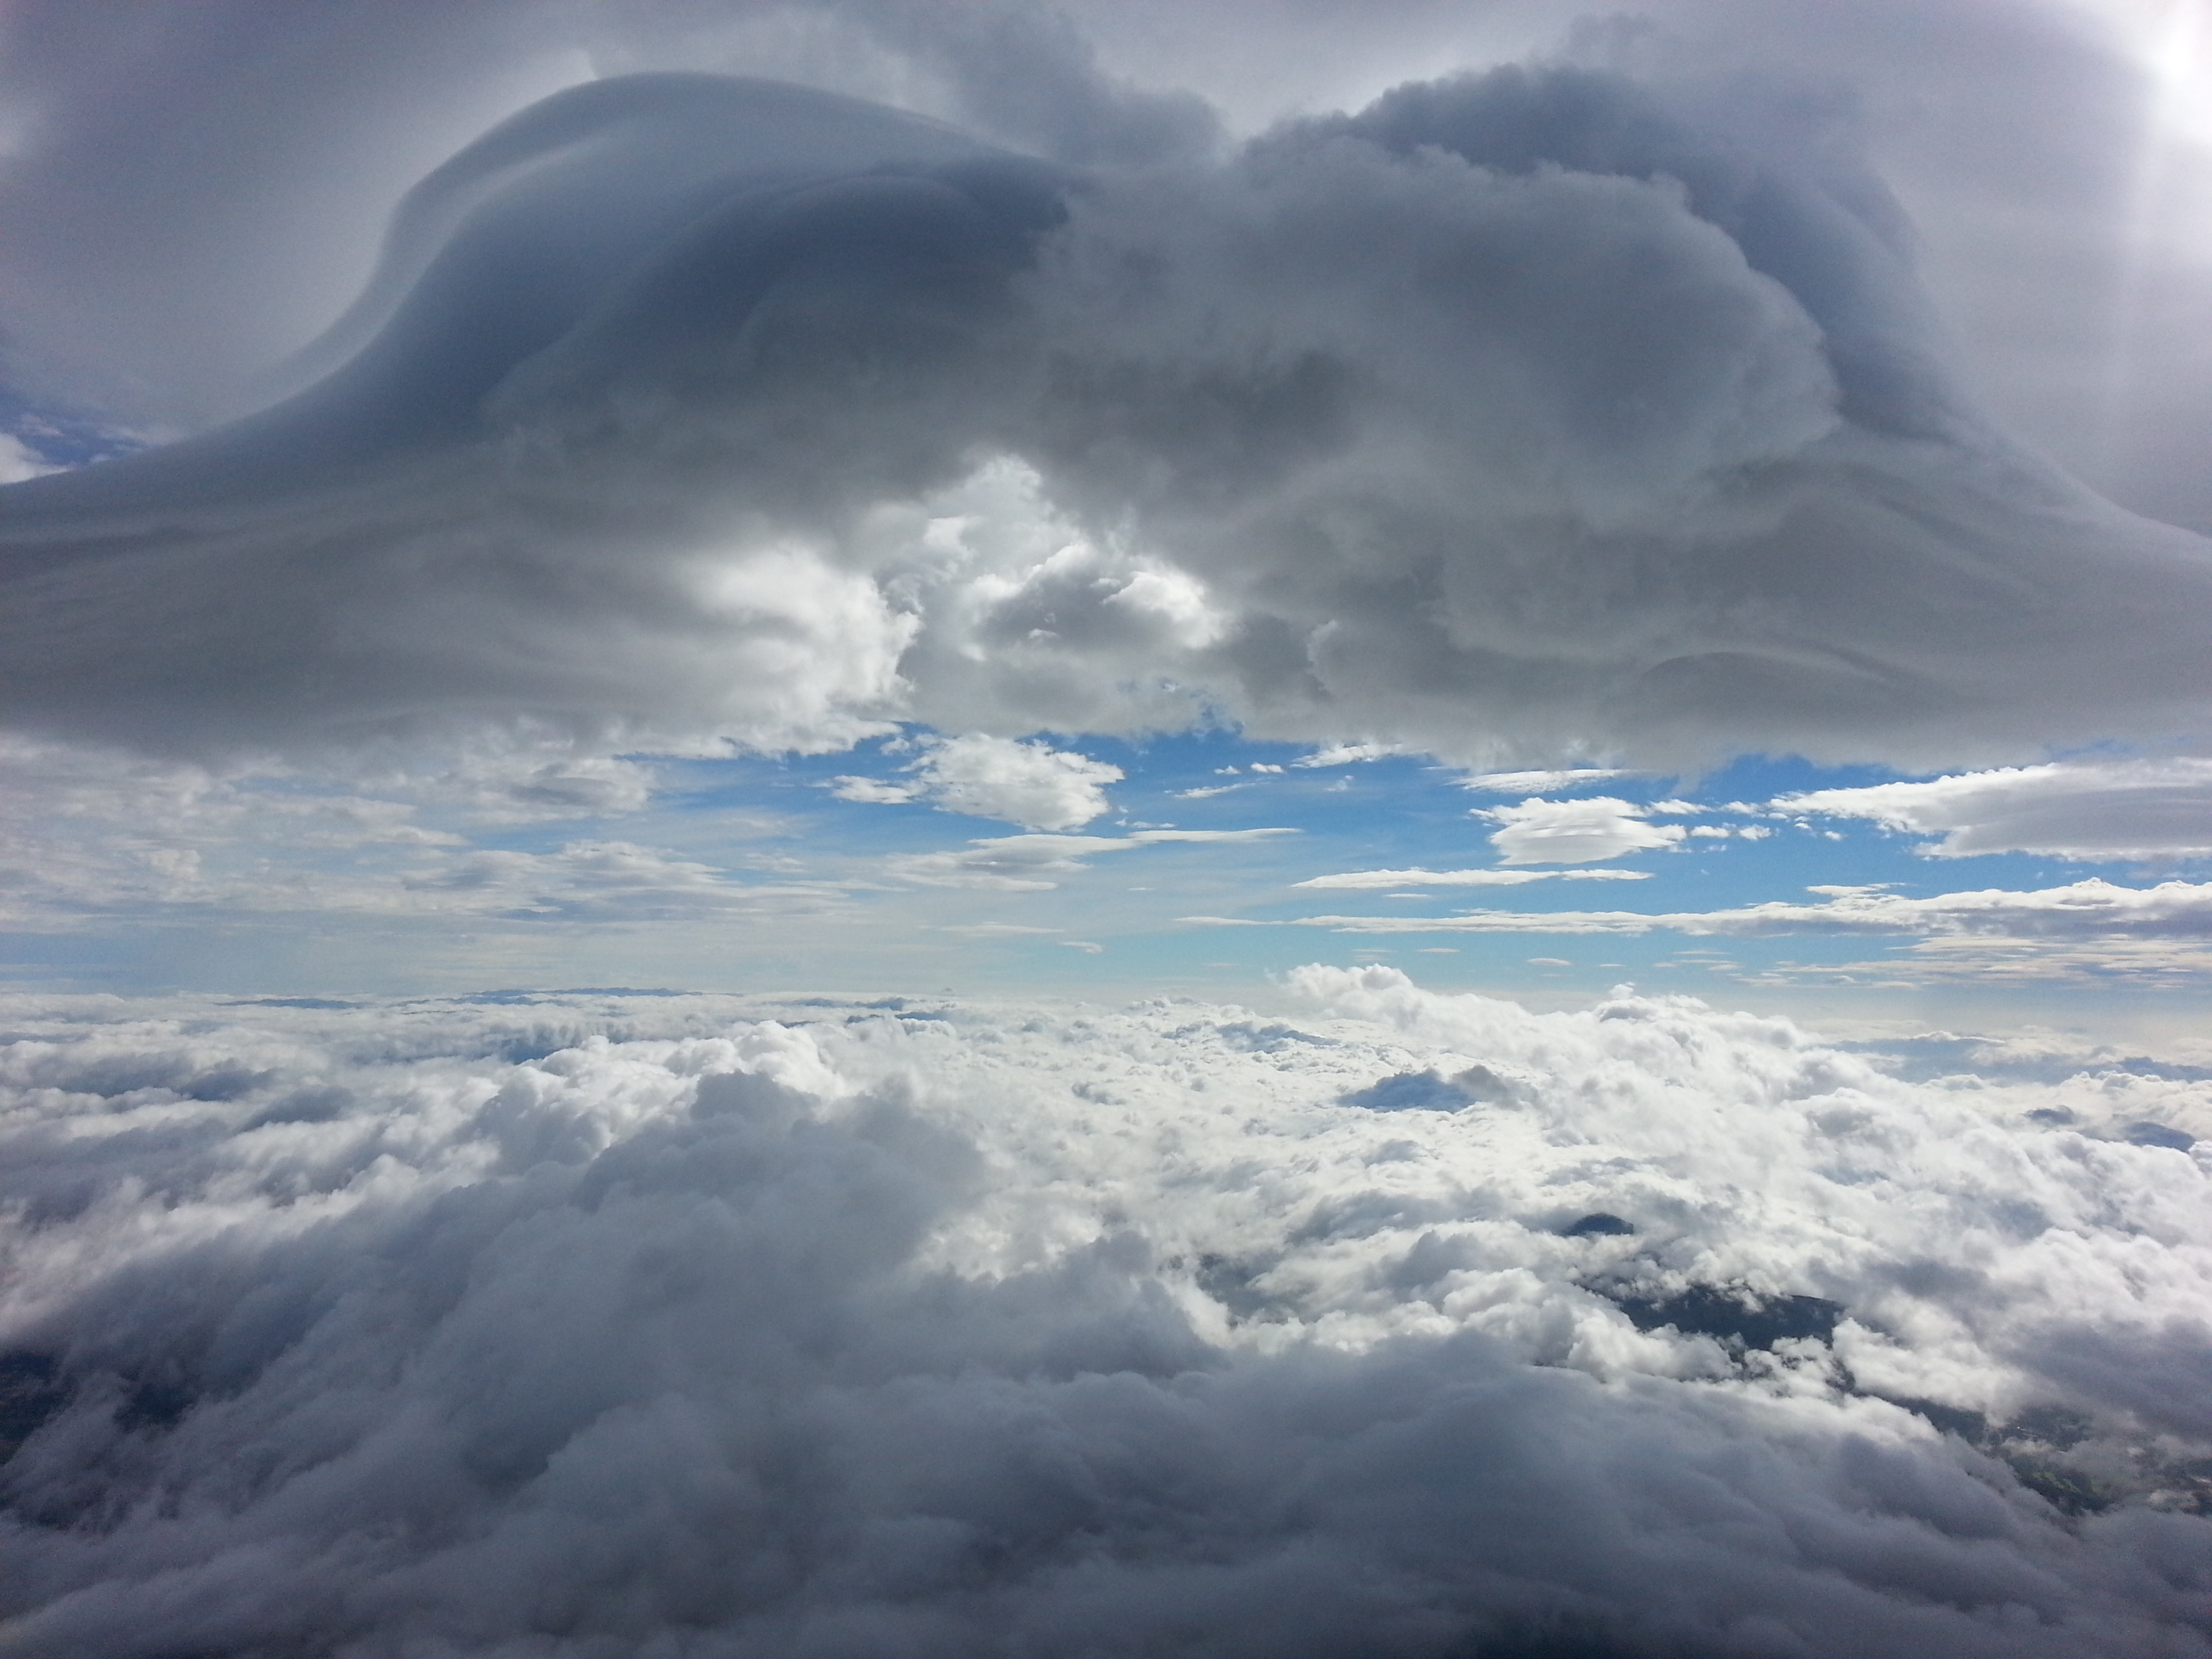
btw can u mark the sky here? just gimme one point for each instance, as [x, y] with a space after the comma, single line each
[1323, 705]
[1743, 403]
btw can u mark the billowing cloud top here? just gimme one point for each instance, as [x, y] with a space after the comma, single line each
[1417, 1325]
[1518, 413]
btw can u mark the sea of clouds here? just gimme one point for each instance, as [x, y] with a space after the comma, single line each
[1409, 1324]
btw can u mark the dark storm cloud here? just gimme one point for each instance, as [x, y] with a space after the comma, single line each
[191, 190]
[439, 1329]
[1518, 412]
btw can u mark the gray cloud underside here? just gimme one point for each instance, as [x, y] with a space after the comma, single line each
[1518, 413]
[575, 1326]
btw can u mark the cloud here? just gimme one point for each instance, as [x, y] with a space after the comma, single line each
[873, 792]
[1030, 784]
[1009, 863]
[598, 881]
[585, 1323]
[18, 462]
[1346, 754]
[1540, 783]
[1575, 831]
[1366, 879]
[1544, 407]
[96, 836]
[590, 786]
[2085, 910]
[1029, 863]
[2148, 809]
[2037, 962]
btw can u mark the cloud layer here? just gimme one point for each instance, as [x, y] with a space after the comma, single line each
[2155, 809]
[2082, 910]
[2089, 930]
[1422, 1325]
[1518, 413]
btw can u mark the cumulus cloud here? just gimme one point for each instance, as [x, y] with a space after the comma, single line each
[1575, 831]
[1542, 410]
[1031, 784]
[2148, 809]
[1419, 1323]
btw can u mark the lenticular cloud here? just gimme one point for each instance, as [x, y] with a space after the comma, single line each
[1422, 1325]
[1527, 411]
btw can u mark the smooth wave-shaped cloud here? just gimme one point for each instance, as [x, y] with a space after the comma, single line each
[1516, 412]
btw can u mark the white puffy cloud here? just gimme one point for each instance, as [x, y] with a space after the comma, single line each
[2148, 809]
[1419, 1323]
[1575, 831]
[1030, 784]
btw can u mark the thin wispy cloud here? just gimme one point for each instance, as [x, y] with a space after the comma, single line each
[2148, 809]
[1387, 879]
[2171, 909]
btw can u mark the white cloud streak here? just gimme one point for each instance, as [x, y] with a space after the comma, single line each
[1034, 863]
[1383, 878]
[2084, 909]
[1540, 782]
[2152, 809]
